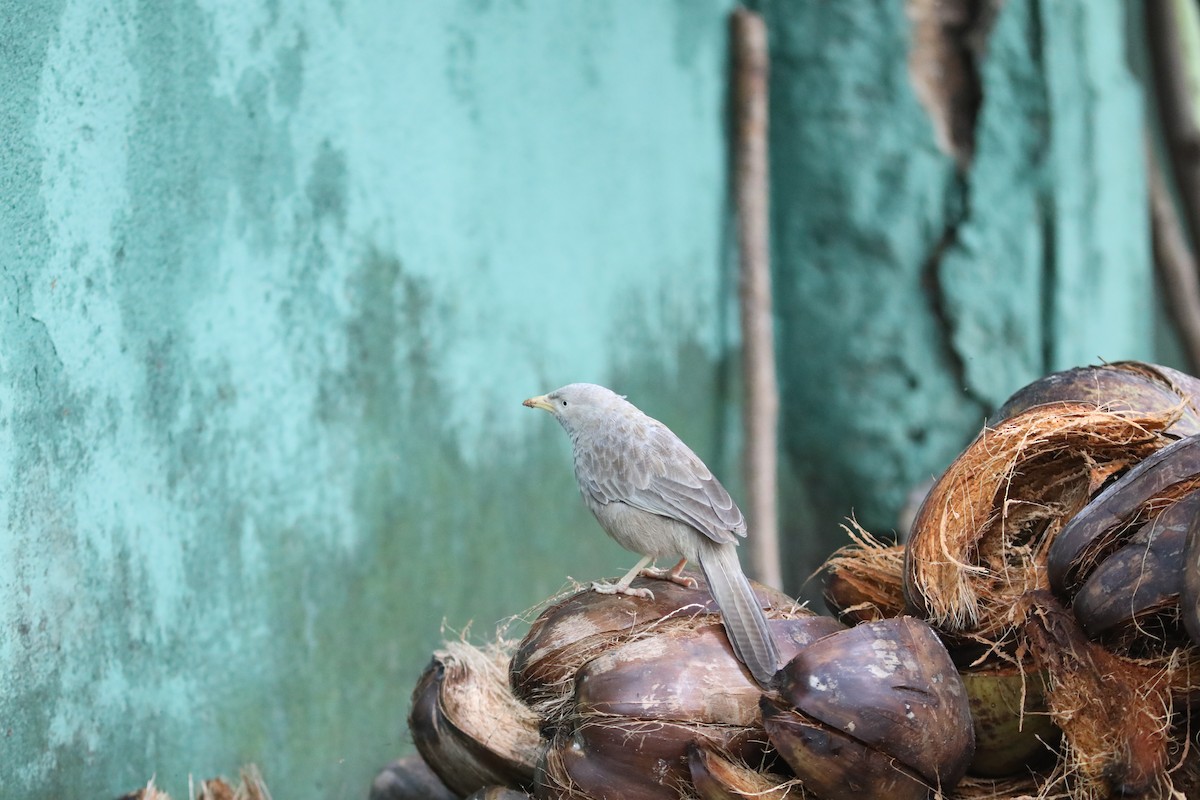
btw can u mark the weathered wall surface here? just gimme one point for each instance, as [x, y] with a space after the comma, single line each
[276, 277]
[917, 289]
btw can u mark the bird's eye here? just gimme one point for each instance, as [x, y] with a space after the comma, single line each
[564, 402]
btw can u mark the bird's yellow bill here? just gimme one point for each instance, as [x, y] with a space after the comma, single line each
[539, 402]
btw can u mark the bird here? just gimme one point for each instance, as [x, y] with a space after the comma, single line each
[655, 497]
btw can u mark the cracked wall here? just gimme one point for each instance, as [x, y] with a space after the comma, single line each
[959, 207]
[276, 278]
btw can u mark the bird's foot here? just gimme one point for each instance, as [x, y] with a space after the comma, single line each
[604, 587]
[674, 575]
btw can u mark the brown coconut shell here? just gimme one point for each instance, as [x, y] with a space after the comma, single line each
[833, 764]
[1125, 386]
[1136, 589]
[468, 726]
[1158, 481]
[685, 673]
[892, 686]
[585, 624]
[409, 778]
[981, 537]
[618, 758]
[646, 678]
[1190, 589]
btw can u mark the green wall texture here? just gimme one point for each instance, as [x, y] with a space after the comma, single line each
[914, 294]
[277, 275]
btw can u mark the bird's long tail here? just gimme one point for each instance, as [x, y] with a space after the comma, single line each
[745, 623]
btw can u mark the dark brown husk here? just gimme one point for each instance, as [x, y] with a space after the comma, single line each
[1156, 483]
[467, 724]
[892, 686]
[582, 625]
[1123, 386]
[409, 778]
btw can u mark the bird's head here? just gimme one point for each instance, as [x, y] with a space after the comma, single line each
[578, 406]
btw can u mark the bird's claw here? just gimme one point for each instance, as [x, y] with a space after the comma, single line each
[669, 575]
[603, 587]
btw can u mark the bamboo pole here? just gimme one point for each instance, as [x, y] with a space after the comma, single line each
[751, 187]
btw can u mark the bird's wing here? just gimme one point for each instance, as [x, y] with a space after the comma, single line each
[660, 474]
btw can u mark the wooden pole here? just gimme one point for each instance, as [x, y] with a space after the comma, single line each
[761, 406]
[1173, 257]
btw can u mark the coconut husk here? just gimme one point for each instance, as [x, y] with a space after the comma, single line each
[1133, 593]
[409, 778]
[583, 625]
[980, 539]
[250, 786]
[1115, 714]
[716, 777]
[1150, 488]
[864, 580]
[1123, 386]
[1021, 787]
[498, 793]
[620, 758]
[466, 723]
[147, 792]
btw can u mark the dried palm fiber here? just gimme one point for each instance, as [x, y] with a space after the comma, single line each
[467, 724]
[147, 792]
[1115, 713]
[498, 793]
[864, 580]
[1020, 787]
[250, 786]
[715, 777]
[980, 539]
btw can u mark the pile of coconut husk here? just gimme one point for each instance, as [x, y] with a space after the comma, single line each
[1033, 638]
[1062, 545]
[250, 786]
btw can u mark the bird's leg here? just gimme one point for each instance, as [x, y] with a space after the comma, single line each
[622, 586]
[674, 574]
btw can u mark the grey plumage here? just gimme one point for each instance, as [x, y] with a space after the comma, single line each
[654, 496]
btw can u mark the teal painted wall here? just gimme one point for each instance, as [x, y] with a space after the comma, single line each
[275, 279]
[275, 276]
[914, 293]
